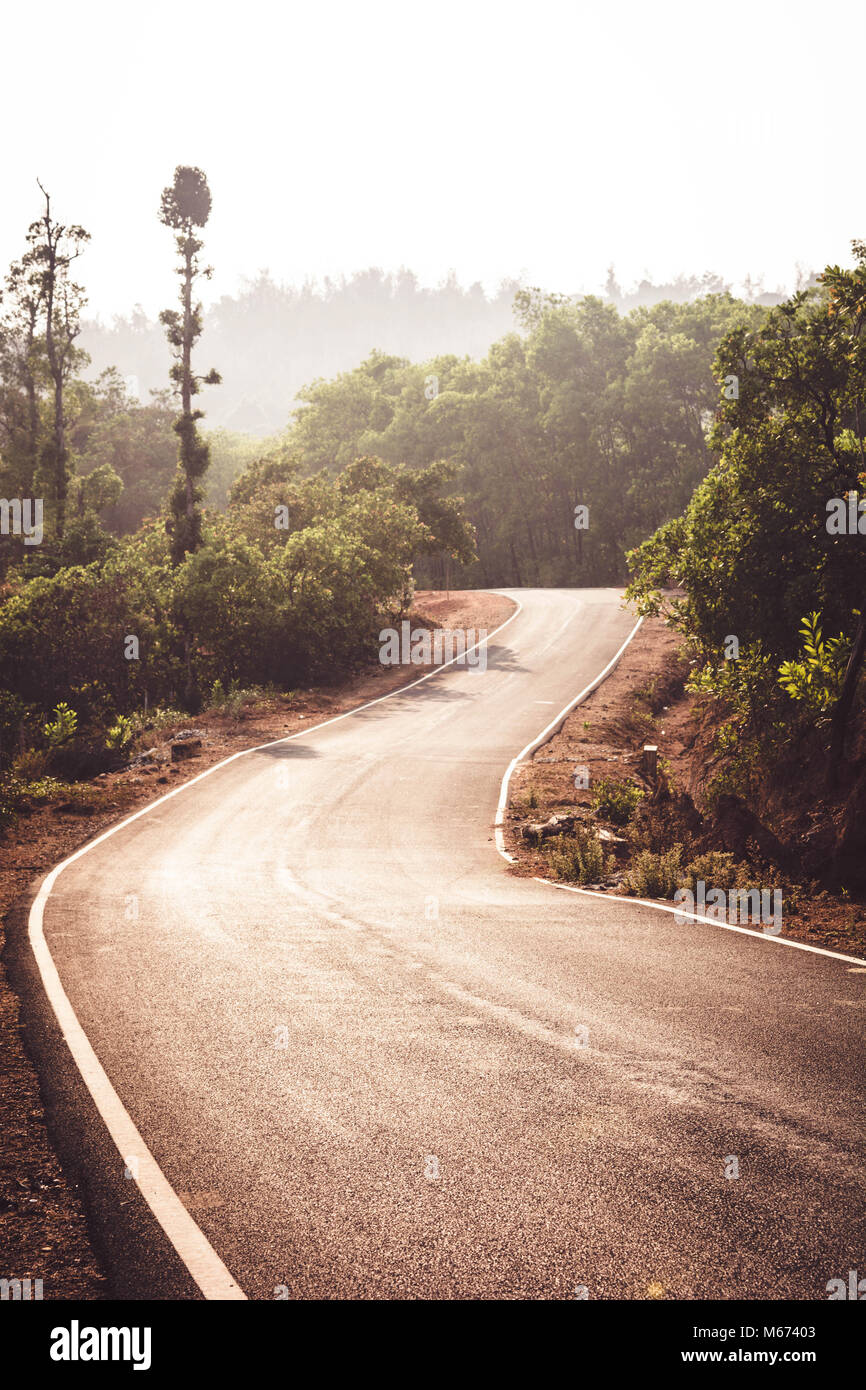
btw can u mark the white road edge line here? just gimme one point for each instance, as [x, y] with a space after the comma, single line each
[710, 921]
[191, 1244]
[613, 897]
[536, 743]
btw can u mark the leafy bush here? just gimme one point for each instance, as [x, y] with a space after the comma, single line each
[616, 801]
[120, 733]
[577, 858]
[62, 727]
[658, 824]
[10, 796]
[655, 875]
[715, 869]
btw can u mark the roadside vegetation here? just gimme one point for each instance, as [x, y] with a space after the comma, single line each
[125, 601]
[714, 448]
[769, 564]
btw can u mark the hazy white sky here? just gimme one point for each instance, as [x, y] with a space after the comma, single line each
[538, 139]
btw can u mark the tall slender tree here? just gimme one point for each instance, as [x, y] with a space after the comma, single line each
[47, 265]
[22, 368]
[185, 205]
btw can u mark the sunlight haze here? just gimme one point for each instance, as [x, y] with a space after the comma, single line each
[540, 142]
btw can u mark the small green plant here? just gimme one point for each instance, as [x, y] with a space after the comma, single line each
[10, 797]
[715, 869]
[44, 789]
[62, 727]
[532, 801]
[655, 875]
[240, 699]
[120, 733]
[577, 858]
[162, 717]
[217, 694]
[616, 801]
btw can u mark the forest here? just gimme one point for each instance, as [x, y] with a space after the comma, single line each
[693, 444]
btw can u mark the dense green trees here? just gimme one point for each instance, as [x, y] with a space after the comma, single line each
[757, 550]
[588, 409]
[40, 320]
[291, 584]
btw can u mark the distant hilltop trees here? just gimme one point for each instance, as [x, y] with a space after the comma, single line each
[271, 340]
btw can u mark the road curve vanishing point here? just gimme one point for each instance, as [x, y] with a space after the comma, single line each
[344, 1053]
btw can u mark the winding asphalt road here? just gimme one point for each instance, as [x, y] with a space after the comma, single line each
[352, 1039]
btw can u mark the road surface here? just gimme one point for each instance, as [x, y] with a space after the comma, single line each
[353, 1040]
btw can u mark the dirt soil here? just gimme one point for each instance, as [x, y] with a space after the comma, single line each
[606, 735]
[43, 1230]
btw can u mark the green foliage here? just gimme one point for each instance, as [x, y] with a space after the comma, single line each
[752, 551]
[590, 408]
[62, 727]
[236, 699]
[616, 801]
[715, 869]
[577, 858]
[654, 875]
[30, 764]
[120, 733]
[815, 678]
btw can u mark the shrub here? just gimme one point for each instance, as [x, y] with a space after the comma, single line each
[655, 875]
[616, 801]
[815, 678]
[30, 765]
[715, 869]
[658, 824]
[120, 733]
[578, 858]
[10, 796]
[62, 727]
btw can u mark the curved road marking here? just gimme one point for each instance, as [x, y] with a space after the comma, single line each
[536, 742]
[191, 1244]
[613, 897]
[709, 921]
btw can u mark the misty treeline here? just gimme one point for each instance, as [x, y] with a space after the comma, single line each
[272, 340]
